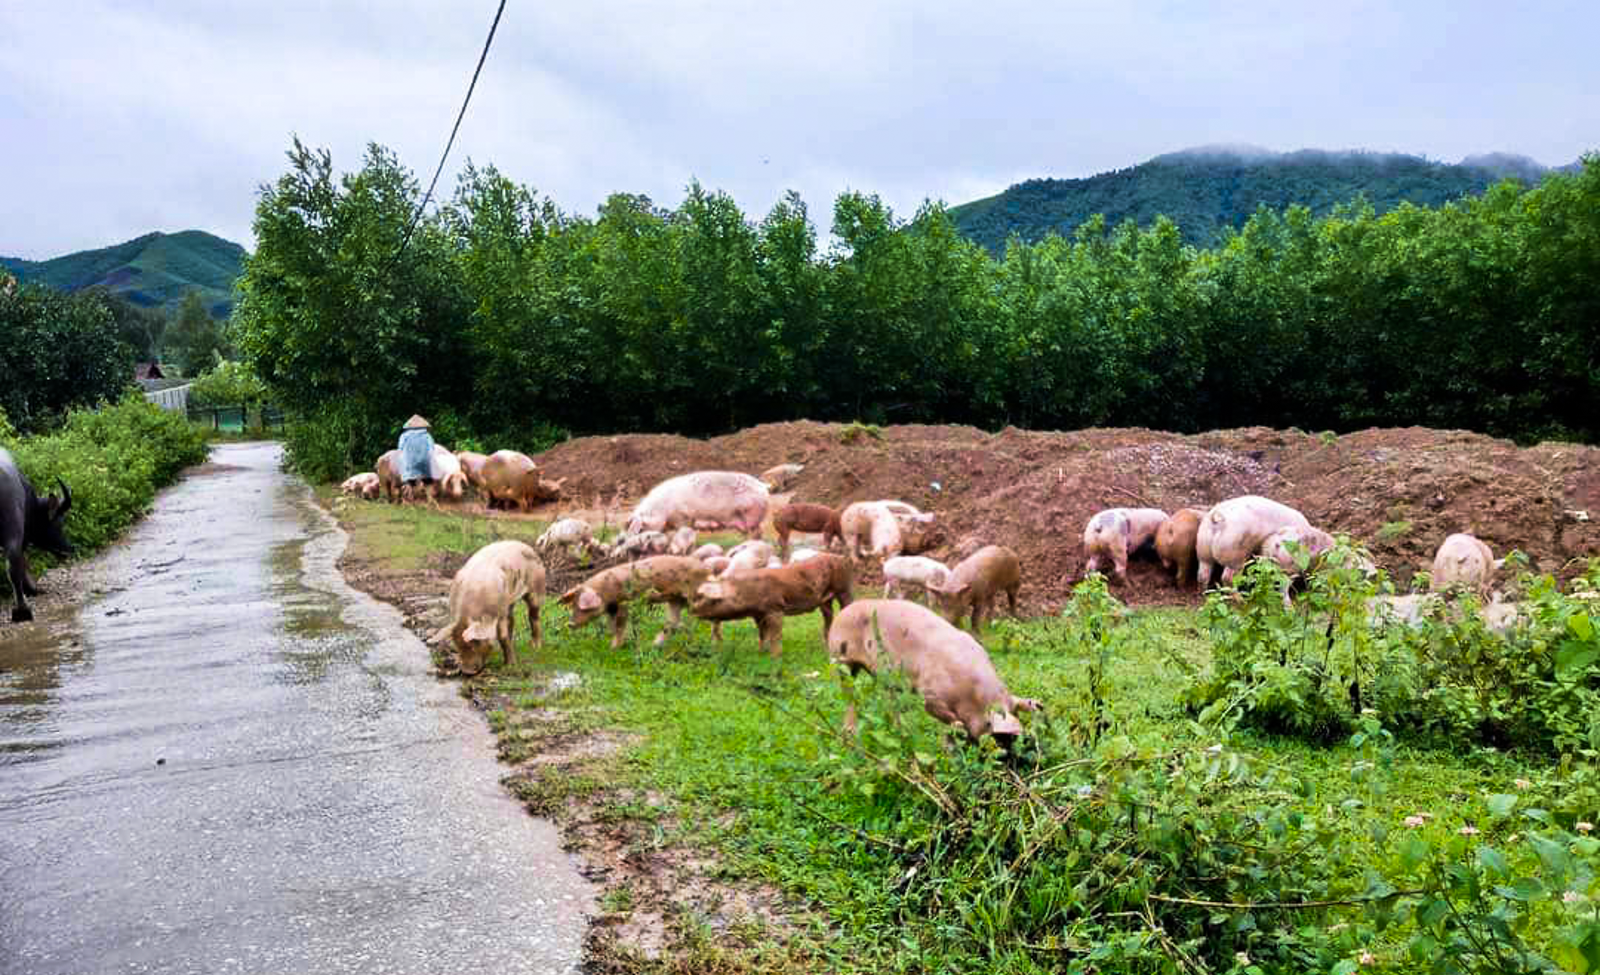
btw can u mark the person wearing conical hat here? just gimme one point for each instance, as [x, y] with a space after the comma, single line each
[416, 456]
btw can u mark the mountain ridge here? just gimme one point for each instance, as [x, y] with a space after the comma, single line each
[151, 270]
[1210, 189]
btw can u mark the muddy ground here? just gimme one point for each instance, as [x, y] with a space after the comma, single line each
[1401, 491]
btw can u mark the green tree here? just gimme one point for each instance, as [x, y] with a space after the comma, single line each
[140, 327]
[57, 351]
[194, 339]
[346, 327]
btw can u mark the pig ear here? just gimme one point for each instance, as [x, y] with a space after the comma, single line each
[589, 599]
[479, 630]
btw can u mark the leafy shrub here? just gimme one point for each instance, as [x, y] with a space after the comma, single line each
[1313, 669]
[1391, 530]
[113, 459]
[334, 441]
[855, 430]
[228, 384]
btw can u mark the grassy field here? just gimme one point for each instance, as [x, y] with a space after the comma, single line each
[739, 830]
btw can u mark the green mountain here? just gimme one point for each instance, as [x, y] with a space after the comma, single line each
[154, 270]
[1210, 189]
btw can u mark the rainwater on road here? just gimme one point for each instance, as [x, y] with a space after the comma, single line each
[222, 759]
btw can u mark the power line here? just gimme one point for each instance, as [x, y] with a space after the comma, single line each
[412, 226]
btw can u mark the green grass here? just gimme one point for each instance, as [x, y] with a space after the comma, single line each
[403, 536]
[1391, 530]
[747, 755]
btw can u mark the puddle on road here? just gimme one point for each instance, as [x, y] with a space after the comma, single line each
[35, 660]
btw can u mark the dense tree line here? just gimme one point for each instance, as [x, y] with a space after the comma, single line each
[507, 320]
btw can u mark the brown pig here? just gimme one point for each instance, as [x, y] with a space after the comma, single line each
[1117, 533]
[388, 471]
[483, 599]
[1175, 543]
[975, 582]
[804, 517]
[512, 478]
[768, 595]
[949, 668]
[669, 579]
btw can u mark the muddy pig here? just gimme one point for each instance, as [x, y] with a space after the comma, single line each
[1117, 533]
[682, 541]
[976, 581]
[949, 668]
[511, 479]
[572, 534]
[768, 595]
[483, 599]
[779, 478]
[803, 517]
[388, 470]
[669, 579]
[747, 556]
[881, 528]
[1175, 543]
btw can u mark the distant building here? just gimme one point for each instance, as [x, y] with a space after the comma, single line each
[147, 370]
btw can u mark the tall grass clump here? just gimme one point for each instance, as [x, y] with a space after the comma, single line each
[113, 459]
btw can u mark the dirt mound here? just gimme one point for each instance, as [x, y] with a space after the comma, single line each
[1399, 490]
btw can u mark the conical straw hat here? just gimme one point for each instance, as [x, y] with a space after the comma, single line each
[416, 422]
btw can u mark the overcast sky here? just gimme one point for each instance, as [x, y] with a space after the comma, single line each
[121, 118]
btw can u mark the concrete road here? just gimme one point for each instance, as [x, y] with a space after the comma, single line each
[222, 759]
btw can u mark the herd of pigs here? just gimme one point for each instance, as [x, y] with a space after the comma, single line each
[755, 580]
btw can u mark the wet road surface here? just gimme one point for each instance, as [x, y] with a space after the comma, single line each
[321, 802]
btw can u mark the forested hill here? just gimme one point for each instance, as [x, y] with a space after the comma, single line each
[154, 270]
[1209, 189]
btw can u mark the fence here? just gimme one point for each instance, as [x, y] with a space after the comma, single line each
[174, 398]
[236, 419]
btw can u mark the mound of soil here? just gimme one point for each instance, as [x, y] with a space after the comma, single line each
[1401, 491]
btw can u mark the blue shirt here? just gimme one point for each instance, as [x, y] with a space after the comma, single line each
[416, 455]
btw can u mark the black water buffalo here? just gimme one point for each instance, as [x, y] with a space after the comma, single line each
[27, 519]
